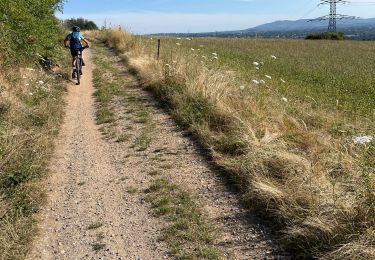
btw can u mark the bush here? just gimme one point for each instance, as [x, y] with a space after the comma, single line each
[28, 28]
[84, 24]
[326, 36]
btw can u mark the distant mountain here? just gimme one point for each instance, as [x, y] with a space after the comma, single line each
[356, 28]
[298, 25]
[286, 25]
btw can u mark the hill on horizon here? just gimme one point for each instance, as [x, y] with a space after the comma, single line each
[356, 29]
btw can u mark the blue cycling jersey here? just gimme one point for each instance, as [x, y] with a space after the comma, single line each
[75, 40]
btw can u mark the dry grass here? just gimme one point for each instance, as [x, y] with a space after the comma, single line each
[31, 109]
[294, 161]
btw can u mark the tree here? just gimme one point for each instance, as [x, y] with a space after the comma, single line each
[82, 23]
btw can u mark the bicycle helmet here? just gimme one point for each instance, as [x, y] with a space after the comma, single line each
[76, 29]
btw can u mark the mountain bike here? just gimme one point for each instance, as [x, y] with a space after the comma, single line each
[78, 67]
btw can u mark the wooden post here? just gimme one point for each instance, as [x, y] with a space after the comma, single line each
[158, 55]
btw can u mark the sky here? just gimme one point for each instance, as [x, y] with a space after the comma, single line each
[184, 16]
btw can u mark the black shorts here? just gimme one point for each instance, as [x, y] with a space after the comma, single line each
[74, 52]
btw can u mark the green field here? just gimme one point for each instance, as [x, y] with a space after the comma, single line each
[336, 74]
[280, 116]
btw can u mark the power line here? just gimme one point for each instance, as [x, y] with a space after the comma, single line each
[309, 12]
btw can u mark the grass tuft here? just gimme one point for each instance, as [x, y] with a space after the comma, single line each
[99, 245]
[189, 234]
[131, 190]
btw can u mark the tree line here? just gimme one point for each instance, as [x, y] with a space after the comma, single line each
[82, 23]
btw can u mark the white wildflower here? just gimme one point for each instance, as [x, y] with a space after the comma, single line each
[40, 82]
[214, 53]
[177, 43]
[255, 81]
[174, 61]
[216, 57]
[189, 39]
[31, 94]
[283, 81]
[362, 139]
[285, 99]
[257, 68]
[204, 57]
[27, 84]
[198, 49]
[262, 81]
[242, 87]
[24, 77]
[268, 77]
[256, 63]
[273, 57]
[30, 69]
[178, 38]
[192, 49]
[151, 38]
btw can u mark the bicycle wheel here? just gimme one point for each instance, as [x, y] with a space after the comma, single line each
[78, 70]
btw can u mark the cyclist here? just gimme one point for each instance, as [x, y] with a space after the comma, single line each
[75, 39]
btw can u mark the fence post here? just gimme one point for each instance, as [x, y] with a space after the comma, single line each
[158, 55]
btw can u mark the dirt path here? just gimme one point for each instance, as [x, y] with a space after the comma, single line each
[90, 214]
[97, 207]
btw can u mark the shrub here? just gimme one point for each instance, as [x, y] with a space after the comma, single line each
[28, 28]
[326, 36]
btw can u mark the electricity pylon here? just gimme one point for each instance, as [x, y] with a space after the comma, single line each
[333, 16]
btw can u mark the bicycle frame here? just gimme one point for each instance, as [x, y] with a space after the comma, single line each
[78, 66]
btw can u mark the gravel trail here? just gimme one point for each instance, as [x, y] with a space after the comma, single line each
[89, 214]
[92, 214]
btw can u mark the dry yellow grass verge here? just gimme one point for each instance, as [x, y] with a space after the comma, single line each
[31, 108]
[317, 188]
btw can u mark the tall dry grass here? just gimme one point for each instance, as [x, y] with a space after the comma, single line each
[316, 187]
[31, 109]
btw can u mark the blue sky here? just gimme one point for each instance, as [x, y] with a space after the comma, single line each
[152, 16]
